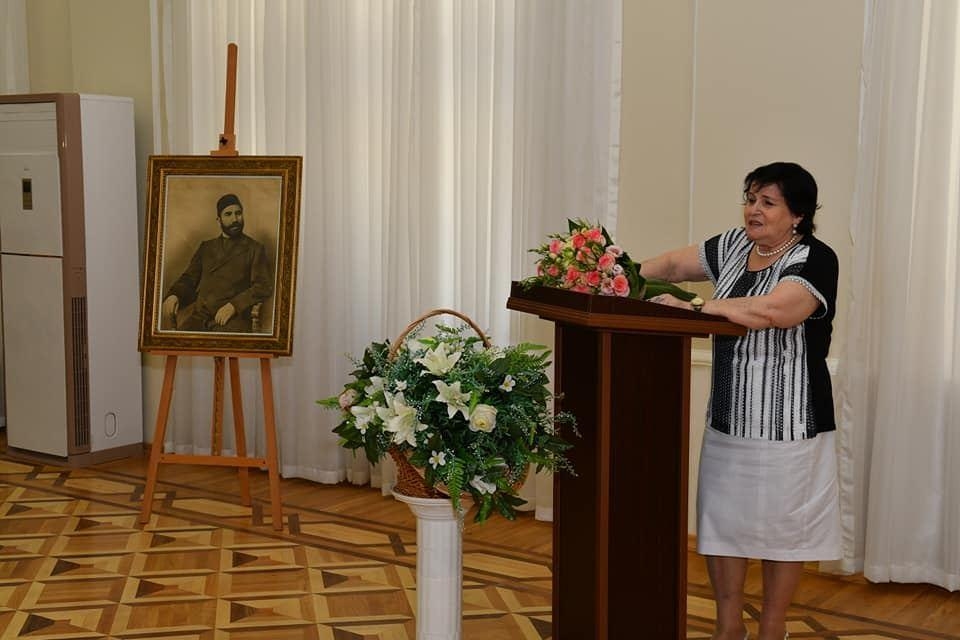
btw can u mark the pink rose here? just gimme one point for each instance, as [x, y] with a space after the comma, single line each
[556, 246]
[606, 262]
[621, 286]
[578, 241]
[580, 288]
[615, 251]
[553, 270]
[606, 287]
[593, 278]
[572, 274]
[583, 256]
[347, 398]
[594, 235]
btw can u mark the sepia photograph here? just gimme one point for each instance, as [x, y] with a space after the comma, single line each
[220, 254]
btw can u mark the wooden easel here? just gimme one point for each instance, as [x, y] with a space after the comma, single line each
[227, 147]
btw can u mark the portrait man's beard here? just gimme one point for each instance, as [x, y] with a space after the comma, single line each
[232, 230]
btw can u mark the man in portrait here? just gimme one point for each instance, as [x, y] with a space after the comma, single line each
[227, 279]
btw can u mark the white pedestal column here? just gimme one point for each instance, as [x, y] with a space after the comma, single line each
[439, 567]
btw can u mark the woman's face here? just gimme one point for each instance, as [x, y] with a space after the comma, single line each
[766, 217]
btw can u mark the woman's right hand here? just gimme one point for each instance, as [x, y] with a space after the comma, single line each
[670, 300]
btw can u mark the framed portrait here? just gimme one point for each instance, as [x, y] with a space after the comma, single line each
[220, 258]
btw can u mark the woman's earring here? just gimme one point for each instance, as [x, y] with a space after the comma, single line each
[794, 230]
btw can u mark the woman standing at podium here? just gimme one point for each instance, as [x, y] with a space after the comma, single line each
[768, 470]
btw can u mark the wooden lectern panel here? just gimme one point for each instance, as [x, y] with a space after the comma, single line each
[620, 527]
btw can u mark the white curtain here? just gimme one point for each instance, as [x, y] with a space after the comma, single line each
[14, 77]
[441, 140]
[900, 390]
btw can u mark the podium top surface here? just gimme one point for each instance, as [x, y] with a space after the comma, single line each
[610, 313]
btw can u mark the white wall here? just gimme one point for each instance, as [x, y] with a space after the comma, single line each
[96, 46]
[712, 90]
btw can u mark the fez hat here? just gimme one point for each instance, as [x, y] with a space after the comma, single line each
[226, 201]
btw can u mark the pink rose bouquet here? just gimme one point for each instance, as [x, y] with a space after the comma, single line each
[585, 259]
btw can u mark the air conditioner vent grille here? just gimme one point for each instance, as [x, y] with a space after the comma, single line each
[81, 389]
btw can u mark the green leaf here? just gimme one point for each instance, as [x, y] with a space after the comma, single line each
[633, 276]
[484, 509]
[372, 450]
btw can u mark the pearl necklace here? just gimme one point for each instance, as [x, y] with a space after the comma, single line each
[773, 252]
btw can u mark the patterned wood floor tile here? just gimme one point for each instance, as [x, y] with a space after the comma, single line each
[75, 563]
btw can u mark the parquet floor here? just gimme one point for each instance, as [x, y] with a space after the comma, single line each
[75, 563]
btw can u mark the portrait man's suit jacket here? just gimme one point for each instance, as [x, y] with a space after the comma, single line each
[223, 270]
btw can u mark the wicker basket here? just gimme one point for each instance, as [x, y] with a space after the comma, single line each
[410, 480]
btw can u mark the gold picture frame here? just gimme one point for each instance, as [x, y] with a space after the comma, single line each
[220, 259]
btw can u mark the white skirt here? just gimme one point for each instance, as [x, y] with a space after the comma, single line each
[769, 500]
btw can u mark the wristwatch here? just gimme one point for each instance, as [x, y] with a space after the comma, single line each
[697, 303]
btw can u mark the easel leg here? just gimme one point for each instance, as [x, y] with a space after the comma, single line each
[271, 433]
[216, 428]
[239, 431]
[159, 434]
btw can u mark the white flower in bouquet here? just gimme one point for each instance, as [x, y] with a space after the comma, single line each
[483, 418]
[363, 416]
[482, 485]
[455, 400]
[401, 419]
[376, 384]
[439, 361]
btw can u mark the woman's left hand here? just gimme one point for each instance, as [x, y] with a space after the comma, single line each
[670, 300]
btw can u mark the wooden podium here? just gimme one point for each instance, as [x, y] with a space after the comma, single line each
[620, 525]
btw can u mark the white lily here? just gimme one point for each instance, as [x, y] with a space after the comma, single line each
[364, 416]
[439, 361]
[376, 384]
[438, 459]
[508, 383]
[403, 423]
[386, 412]
[455, 399]
[482, 485]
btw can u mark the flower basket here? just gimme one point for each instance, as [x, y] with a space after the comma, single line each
[410, 480]
[457, 415]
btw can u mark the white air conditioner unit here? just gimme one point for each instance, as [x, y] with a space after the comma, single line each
[69, 247]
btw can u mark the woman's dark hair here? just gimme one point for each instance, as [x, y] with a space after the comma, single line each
[798, 187]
